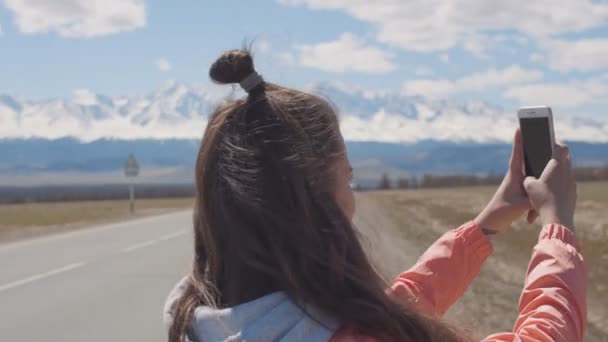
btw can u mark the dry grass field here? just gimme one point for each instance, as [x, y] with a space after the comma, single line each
[398, 226]
[418, 217]
[19, 221]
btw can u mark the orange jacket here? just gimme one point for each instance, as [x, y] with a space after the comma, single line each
[552, 306]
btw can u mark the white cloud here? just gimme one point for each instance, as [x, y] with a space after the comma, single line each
[519, 39]
[433, 25]
[536, 57]
[76, 18]
[474, 82]
[568, 95]
[480, 45]
[286, 58]
[262, 46]
[163, 64]
[444, 58]
[333, 90]
[423, 71]
[348, 53]
[582, 55]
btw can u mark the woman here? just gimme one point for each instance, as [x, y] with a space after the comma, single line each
[277, 257]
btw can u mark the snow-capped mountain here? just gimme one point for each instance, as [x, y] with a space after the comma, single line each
[396, 118]
[180, 111]
[174, 111]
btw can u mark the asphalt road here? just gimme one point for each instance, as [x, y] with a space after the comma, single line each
[107, 283]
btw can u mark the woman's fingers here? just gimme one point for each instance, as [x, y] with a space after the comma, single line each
[554, 194]
[561, 152]
[560, 163]
[532, 215]
[529, 184]
[517, 154]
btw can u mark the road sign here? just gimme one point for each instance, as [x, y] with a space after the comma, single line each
[131, 167]
[131, 171]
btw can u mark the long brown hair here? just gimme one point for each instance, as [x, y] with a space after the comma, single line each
[266, 218]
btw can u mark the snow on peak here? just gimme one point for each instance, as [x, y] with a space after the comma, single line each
[180, 110]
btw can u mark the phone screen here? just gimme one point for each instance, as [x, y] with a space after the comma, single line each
[536, 138]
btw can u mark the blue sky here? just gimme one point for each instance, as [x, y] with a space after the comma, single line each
[508, 53]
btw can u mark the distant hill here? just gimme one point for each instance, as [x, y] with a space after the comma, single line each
[67, 160]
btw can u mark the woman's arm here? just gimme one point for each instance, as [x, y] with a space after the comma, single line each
[444, 271]
[449, 266]
[553, 303]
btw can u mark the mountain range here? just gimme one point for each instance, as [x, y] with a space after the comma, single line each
[87, 137]
[180, 111]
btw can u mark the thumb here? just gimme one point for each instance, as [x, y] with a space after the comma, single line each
[532, 215]
[517, 154]
[529, 183]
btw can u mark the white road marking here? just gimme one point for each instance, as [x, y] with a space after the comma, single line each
[76, 265]
[152, 242]
[138, 246]
[41, 276]
[172, 235]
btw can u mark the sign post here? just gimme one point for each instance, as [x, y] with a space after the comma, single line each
[131, 171]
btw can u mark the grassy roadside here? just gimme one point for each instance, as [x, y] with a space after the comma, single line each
[490, 304]
[19, 221]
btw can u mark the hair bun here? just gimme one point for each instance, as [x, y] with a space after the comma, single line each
[232, 67]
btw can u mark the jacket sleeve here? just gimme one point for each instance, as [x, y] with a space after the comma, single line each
[552, 306]
[444, 271]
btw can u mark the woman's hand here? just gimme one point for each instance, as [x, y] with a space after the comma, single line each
[510, 200]
[553, 195]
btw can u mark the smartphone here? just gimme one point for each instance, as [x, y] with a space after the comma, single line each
[538, 137]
